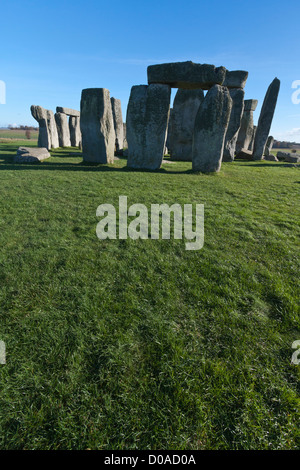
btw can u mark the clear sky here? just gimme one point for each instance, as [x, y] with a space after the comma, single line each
[51, 50]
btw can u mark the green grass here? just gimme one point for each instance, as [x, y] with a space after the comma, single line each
[124, 344]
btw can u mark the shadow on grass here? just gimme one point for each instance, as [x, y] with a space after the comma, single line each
[62, 154]
[83, 166]
[72, 152]
[278, 164]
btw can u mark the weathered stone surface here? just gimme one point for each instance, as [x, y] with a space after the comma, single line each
[245, 134]
[52, 129]
[147, 120]
[185, 108]
[269, 145]
[244, 154]
[75, 133]
[288, 157]
[125, 144]
[31, 155]
[63, 130]
[265, 119]
[250, 105]
[48, 137]
[68, 111]
[251, 145]
[271, 158]
[169, 131]
[235, 79]
[292, 158]
[97, 126]
[186, 75]
[237, 96]
[40, 115]
[210, 129]
[281, 156]
[118, 123]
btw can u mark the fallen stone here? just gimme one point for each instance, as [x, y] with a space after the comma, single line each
[146, 122]
[75, 132]
[271, 158]
[186, 75]
[235, 79]
[281, 156]
[210, 129]
[31, 155]
[288, 157]
[237, 96]
[68, 111]
[97, 126]
[265, 119]
[292, 158]
[244, 154]
[63, 130]
[118, 123]
[185, 108]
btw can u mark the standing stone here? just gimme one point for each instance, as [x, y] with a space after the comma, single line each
[251, 145]
[237, 96]
[75, 133]
[265, 119]
[185, 108]
[125, 145]
[40, 115]
[147, 120]
[118, 123]
[210, 129]
[245, 134]
[97, 126]
[269, 146]
[169, 131]
[48, 137]
[52, 129]
[63, 129]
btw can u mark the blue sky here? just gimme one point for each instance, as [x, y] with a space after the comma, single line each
[52, 50]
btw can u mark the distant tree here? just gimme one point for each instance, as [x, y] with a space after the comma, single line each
[28, 134]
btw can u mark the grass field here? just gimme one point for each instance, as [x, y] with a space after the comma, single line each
[124, 344]
[18, 134]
